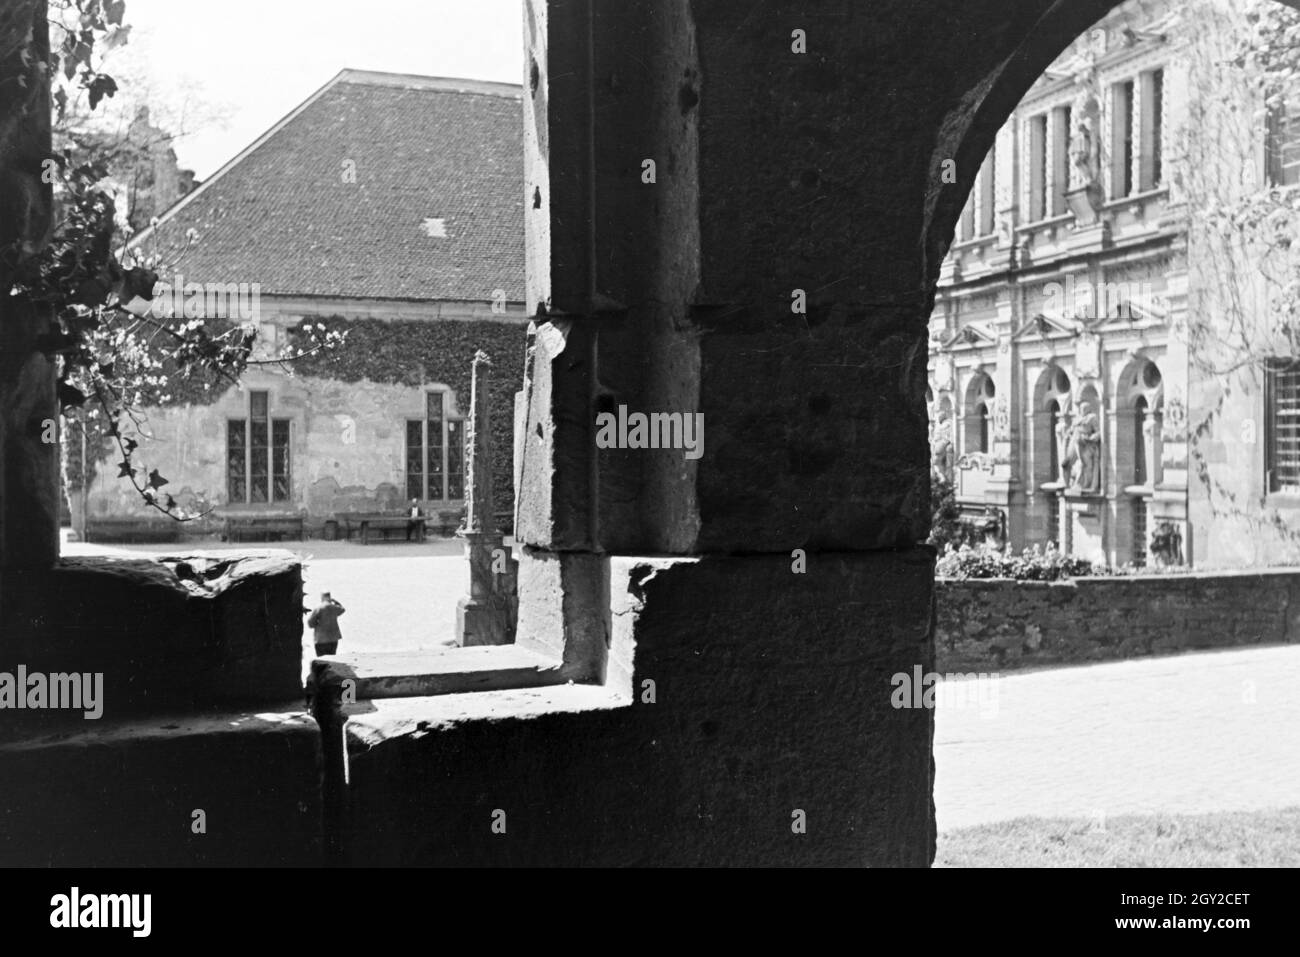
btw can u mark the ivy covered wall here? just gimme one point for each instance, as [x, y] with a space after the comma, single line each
[413, 353]
[347, 407]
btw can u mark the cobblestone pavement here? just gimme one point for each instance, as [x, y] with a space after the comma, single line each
[1210, 731]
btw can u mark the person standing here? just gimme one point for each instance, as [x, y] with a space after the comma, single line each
[415, 525]
[324, 623]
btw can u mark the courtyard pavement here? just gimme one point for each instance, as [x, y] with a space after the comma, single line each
[1210, 731]
[399, 597]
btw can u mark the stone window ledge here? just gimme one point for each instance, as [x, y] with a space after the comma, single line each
[373, 722]
[72, 730]
[426, 674]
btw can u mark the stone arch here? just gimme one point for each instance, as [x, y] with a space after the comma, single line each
[1139, 403]
[1031, 38]
[1051, 406]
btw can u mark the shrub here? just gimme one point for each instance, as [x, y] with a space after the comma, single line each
[1033, 564]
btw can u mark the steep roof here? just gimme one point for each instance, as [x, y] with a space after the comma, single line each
[436, 210]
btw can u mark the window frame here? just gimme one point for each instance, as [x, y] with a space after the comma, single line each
[1059, 131]
[1273, 369]
[448, 422]
[1039, 171]
[274, 427]
[1282, 134]
[1122, 131]
[1151, 134]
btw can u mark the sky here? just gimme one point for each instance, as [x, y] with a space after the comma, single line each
[228, 72]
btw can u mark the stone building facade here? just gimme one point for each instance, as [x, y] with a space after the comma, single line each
[410, 241]
[1072, 399]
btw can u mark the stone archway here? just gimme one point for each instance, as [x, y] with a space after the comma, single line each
[774, 273]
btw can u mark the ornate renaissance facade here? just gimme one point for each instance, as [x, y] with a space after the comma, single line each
[1067, 403]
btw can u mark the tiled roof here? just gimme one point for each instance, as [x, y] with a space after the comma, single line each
[431, 156]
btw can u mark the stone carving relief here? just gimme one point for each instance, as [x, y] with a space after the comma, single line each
[1175, 418]
[1001, 419]
[1087, 355]
[976, 460]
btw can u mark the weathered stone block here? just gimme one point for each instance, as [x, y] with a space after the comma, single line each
[180, 630]
[130, 793]
[755, 693]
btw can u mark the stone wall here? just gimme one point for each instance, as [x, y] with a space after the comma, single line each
[1006, 624]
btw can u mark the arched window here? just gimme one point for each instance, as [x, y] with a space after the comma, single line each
[979, 414]
[1053, 450]
[1140, 441]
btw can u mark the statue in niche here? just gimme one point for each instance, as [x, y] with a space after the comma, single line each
[941, 449]
[1085, 125]
[1081, 464]
[1167, 544]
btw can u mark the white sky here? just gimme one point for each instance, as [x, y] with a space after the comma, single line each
[247, 63]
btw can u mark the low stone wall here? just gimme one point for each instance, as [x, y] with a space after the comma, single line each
[1006, 624]
[193, 629]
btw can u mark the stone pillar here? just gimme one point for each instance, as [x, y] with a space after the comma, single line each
[29, 462]
[487, 616]
[703, 239]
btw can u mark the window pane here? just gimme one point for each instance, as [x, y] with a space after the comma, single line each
[1122, 140]
[433, 465]
[1284, 426]
[259, 472]
[236, 450]
[1139, 551]
[1284, 147]
[259, 403]
[1060, 159]
[414, 459]
[1140, 442]
[988, 193]
[455, 459]
[434, 449]
[1038, 167]
[281, 480]
[1157, 131]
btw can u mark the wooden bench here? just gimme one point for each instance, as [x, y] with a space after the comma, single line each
[132, 530]
[240, 528]
[383, 523]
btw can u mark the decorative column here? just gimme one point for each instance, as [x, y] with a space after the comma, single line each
[488, 615]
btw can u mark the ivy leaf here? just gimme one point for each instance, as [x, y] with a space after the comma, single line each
[117, 38]
[70, 397]
[156, 480]
[100, 87]
[130, 445]
[124, 469]
[169, 503]
[113, 10]
[61, 101]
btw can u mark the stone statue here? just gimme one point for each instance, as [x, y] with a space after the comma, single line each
[1085, 120]
[1167, 544]
[1081, 466]
[1085, 146]
[941, 449]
